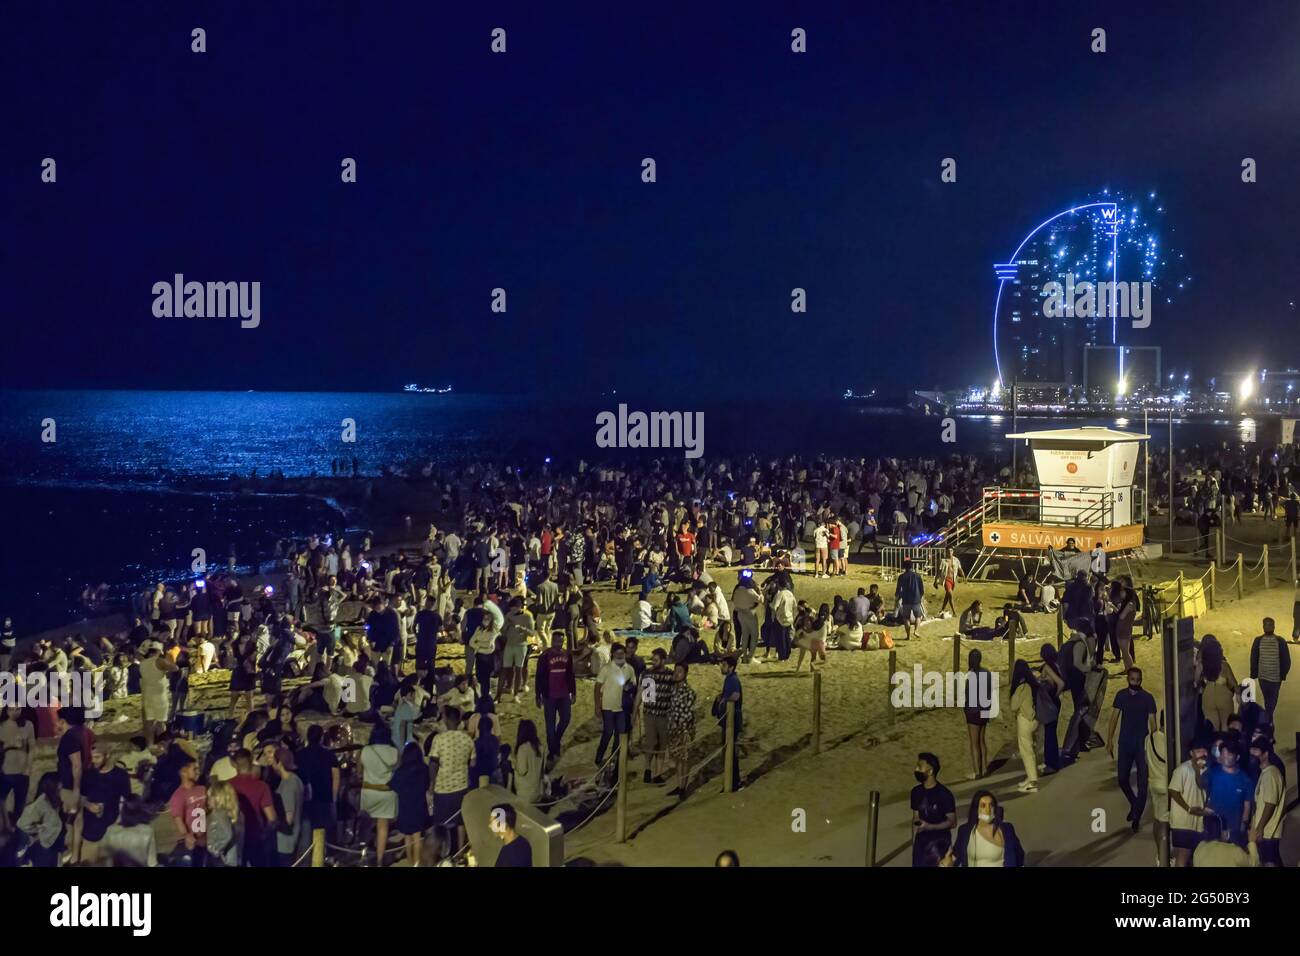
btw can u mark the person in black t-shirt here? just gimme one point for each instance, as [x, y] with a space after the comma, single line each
[934, 813]
[103, 789]
[516, 851]
[319, 769]
[1135, 715]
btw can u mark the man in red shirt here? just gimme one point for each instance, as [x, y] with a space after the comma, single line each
[188, 808]
[686, 547]
[557, 689]
[258, 809]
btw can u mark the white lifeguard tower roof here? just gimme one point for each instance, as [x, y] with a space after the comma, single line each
[1086, 433]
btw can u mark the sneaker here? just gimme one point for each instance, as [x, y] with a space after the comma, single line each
[1026, 787]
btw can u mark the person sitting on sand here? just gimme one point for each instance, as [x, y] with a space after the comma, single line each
[971, 627]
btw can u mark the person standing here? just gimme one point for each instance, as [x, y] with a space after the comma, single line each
[1158, 786]
[731, 693]
[909, 594]
[547, 601]
[451, 754]
[515, 850]
[745, 600]
[18, 743]
[1134, 713]
[1229, 791]
[934, 813]
[1187, 804]
[1024, 698]
[985, 839]
[1269, 663]
[293, 835]
[949, 571]
[612, 683]
[681, 724]
[654, 699]
[410, 781]
[557, 691]
[1270, 797]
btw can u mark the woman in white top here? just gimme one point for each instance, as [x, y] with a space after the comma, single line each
[155, 690]
[378, 801]
[985, 839]
[813, 632]
[527, 762]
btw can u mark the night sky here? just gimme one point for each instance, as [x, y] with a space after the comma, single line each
[523, 171]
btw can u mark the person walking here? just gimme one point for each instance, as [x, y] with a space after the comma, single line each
[1270, 661]
[934, 813]
[1134, 713]
[985, 839]
[731, 693]
[557, 691]
[909, 594]
[949, 571]
[1024, 697]
[613, 681]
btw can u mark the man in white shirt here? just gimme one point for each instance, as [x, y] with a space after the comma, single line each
[1187, 805]
[1097, 561]
[610, 683]
[1270, 795]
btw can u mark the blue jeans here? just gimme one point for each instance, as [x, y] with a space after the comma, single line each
[556, 714]
[613, 722]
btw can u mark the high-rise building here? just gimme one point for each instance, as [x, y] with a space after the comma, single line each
[1074, 246]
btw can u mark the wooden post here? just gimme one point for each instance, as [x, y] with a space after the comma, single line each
[318, 847]
[1241, 584]
[889, 684]
[624, 743]
[1060, 626]
[1210, 595]
[729, 761]
[1294, 577]
[817, 712]
[1180, 594]
[956, 653]
[1011, 652]
[1264, 557]
[873, 821]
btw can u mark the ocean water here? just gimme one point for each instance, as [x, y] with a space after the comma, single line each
[111, 499]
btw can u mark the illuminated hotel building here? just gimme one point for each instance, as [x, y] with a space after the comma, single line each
[1028, 345]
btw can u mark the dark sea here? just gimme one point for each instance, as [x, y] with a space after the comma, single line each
[112, 498]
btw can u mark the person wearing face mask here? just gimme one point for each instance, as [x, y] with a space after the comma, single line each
[1229, 791]
[934, 813]
[1134, 713]
[985, 839]
[1270, 796]
[614, 681]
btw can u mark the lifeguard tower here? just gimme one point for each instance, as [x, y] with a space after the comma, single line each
[1085, 491]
